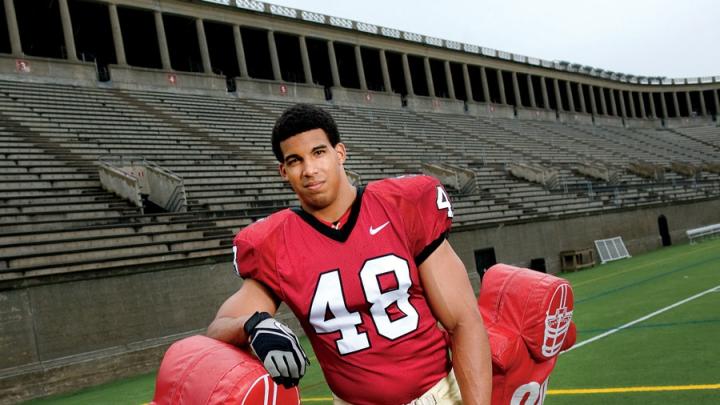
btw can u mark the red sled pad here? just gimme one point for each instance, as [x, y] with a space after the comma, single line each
[202, 371]
[528, 317]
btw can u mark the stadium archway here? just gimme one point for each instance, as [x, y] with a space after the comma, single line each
[664, 231]
[484, 259]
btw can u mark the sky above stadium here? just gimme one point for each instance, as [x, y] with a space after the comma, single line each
[641, 37]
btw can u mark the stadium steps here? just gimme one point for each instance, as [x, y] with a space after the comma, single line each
[431, 142]
[689, 151]
[651, 139]
[708, 134]
[117, 239]
[578, 150]
[79, 214]
[388, 148]
[477, 130]
[614, 141]
[220, 145]
[655, 153]
[154, 110]
[41, 207]
[597, 151]
[84, 248]
[536, 147]
[700, 136]
[130, 257]
[372, 144]
[466, 151]
[183, 112]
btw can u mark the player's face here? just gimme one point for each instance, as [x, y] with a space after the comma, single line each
[313, 167]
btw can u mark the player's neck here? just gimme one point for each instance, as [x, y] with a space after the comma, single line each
[343, 202]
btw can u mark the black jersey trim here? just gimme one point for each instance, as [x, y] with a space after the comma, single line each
[429, 249]
[342, 234]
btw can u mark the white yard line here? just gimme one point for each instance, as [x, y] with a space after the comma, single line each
[644, 318]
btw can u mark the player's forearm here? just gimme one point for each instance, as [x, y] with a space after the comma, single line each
[472, 362]
[229, 329]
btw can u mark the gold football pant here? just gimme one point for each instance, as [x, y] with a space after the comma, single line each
[445, 392]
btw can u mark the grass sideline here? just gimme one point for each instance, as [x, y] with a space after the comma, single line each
[669, 358]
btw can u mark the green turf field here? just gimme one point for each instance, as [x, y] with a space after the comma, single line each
[669, 358]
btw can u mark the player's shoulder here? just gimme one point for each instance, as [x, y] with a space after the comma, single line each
[263, 229]
[407, 187]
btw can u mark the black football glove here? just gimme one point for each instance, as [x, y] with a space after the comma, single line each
[278, 348]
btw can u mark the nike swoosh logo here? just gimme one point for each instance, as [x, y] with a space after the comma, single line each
[374, 231]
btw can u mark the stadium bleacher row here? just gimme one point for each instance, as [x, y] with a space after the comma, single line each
[56, 217]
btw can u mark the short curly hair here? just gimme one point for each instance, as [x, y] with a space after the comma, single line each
[301, 118]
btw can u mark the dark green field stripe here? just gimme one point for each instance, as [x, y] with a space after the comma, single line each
[655, 277]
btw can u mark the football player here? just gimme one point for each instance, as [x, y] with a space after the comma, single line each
[369, 274]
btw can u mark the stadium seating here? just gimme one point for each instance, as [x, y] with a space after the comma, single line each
[55, 216]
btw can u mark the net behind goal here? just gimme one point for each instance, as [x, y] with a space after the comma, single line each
[611, 249]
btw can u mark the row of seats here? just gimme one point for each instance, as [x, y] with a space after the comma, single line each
[55, 216]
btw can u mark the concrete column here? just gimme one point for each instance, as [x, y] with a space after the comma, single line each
[716, 99]
[581, 96]
[688, 100]
[593, 103]
[663, 104]
[676, 103]
[484, 82]
[613, 104]
[117, 35]
[428, 77]
[333, 65]
[653, 110]
[385, 72]
[703, 107]
[603, 101]
[305, 56]
[558, 99]
[468, 85]
[204, 51]
[240, 52]
[516, 90]
[632, 104]
[67, 30]
[531, 91]
[545, 97]
[449, 79]
[501, 86]
[274, 59]
[408, 76]
[13, 30]
[571, 100]
[360, 68]
[162, 41]
[643, 111]
[623, 110]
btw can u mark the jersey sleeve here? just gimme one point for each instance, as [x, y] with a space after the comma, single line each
[244, 257]
[253, 257]
[427, 213]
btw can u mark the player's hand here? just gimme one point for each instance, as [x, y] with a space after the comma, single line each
[278, 348]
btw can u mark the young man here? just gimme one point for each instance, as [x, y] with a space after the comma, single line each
[367, 271]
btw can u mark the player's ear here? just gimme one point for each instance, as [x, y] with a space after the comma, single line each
[283, 172]
[341, 152]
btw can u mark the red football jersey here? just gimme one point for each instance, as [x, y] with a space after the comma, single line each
[357, 291]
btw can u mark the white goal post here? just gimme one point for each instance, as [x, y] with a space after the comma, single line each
[611, 249]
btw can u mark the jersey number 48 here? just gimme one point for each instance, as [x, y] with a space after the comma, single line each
[329, 313]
